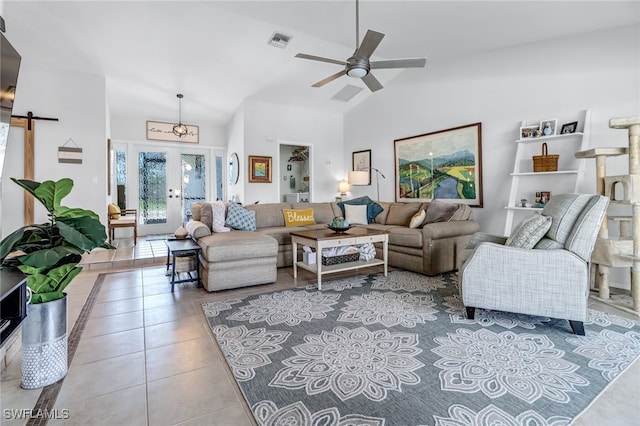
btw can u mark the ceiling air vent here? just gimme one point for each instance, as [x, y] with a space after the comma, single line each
[348, 92]
[279, 40]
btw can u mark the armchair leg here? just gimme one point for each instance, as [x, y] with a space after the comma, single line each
[577, 327]
[471, 312]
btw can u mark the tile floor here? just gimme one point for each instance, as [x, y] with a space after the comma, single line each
[147, 356]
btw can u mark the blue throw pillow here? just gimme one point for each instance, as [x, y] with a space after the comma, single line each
[373, 208]
[240, 218]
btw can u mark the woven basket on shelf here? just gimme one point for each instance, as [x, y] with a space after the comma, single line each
[343, 258]
[545, 162]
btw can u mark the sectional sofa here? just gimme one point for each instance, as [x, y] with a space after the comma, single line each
[242, 258]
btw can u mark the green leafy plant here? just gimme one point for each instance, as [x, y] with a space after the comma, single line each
[49, 253]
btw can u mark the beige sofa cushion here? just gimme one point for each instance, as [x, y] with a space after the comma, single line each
[196, 211]
[401, 213]
[440, 211]
[268, 215]
[282, 233]
[322, 212]
[401, 236]
[382, 217]
[464, 212]
[237, 245]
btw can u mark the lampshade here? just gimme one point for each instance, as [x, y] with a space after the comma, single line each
[343, 187]
[359, 177]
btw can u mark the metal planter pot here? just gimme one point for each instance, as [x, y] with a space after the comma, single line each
[44, 344]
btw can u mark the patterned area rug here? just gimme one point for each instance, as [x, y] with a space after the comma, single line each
[398, 350]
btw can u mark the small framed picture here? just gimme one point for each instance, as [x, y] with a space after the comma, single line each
[528, 132]
[542, 198]
[259, 169]
[361, 161]
[548, 127]
[569, 128]
[288, 167]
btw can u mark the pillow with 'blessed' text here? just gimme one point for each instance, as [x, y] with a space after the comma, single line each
[294, 217]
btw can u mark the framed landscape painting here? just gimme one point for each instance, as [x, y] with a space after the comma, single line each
[444, 165]
[259, 169]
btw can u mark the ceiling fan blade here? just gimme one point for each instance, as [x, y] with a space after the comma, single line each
[399, 63]
[372, 83]
[329, 79]
[371, 40]
[320, 58]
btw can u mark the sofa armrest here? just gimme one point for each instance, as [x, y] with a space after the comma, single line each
[439, 230]
[197, 229]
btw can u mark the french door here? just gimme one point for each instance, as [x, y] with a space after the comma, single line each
[161, 182]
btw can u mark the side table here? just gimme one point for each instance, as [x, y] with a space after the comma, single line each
[182, 247]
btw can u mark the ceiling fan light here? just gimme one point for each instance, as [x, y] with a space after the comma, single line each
[357, 72]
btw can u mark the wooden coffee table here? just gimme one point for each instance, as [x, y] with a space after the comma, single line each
[321, 239]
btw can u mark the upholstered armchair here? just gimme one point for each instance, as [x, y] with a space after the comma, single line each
[542, 269]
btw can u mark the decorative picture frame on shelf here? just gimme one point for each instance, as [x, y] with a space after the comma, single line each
[259, 169]
[361, 161]
[542, 198]
[549, 127]
[527, 132]
[569, 128]
[446, 165]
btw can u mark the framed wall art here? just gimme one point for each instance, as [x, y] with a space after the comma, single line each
[444, 165]
[259, 169]
[159, 131]
[361, 161]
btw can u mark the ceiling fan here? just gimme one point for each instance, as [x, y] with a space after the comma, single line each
[358, 65]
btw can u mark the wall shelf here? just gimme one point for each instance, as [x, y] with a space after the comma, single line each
[525, 182]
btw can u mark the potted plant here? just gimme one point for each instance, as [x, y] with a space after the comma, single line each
[48, 254]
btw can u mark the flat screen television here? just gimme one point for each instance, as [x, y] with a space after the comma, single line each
[9, 67]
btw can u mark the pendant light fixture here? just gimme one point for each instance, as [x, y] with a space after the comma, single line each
[180, 129]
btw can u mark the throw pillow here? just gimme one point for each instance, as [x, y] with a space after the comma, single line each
[373, 208]
[294, 217]
[440, 211]
[206, 214]
[417, 219]
[356, 214]
[114, 211]
[218, 210]
[240, 218]
[197, 229]
[528, 232]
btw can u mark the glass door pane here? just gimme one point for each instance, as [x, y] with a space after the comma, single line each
[194, 182]
[152, 187]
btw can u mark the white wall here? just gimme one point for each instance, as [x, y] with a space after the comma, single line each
[558, 78]
[235, 143]
[266, 124]
[134, 128]
[78, 101]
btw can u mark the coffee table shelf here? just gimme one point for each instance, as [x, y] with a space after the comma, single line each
[321, 239]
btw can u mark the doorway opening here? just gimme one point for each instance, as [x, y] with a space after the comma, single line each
[295, 172]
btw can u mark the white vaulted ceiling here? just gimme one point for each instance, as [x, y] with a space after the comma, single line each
[216, 52]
